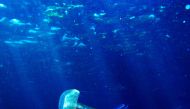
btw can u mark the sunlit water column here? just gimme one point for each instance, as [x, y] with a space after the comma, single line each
[25, 82]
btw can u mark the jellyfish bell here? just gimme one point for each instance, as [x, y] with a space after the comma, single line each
[69, 100]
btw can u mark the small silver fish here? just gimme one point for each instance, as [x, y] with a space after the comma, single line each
[122, 106]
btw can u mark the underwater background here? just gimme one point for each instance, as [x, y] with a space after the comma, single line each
[133, 52]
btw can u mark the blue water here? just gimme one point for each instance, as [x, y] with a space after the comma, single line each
[115, 52]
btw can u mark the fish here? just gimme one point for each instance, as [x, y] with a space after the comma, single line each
[122, 106]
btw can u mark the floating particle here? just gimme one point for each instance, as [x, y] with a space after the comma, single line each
[132, 17]
[47, 20]
[53, 28]
[32, 31]
[66, 12]
[81, 44]
[3, 5]
[162, 8]
[167, 36]
[16, 22]
[99, 14]
[3, 19]
[115, 30]
[151, 16]
[187, 7]
[93, 28]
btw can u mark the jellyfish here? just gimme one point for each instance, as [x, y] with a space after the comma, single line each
[69, 100]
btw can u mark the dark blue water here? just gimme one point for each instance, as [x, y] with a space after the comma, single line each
[132, 52]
